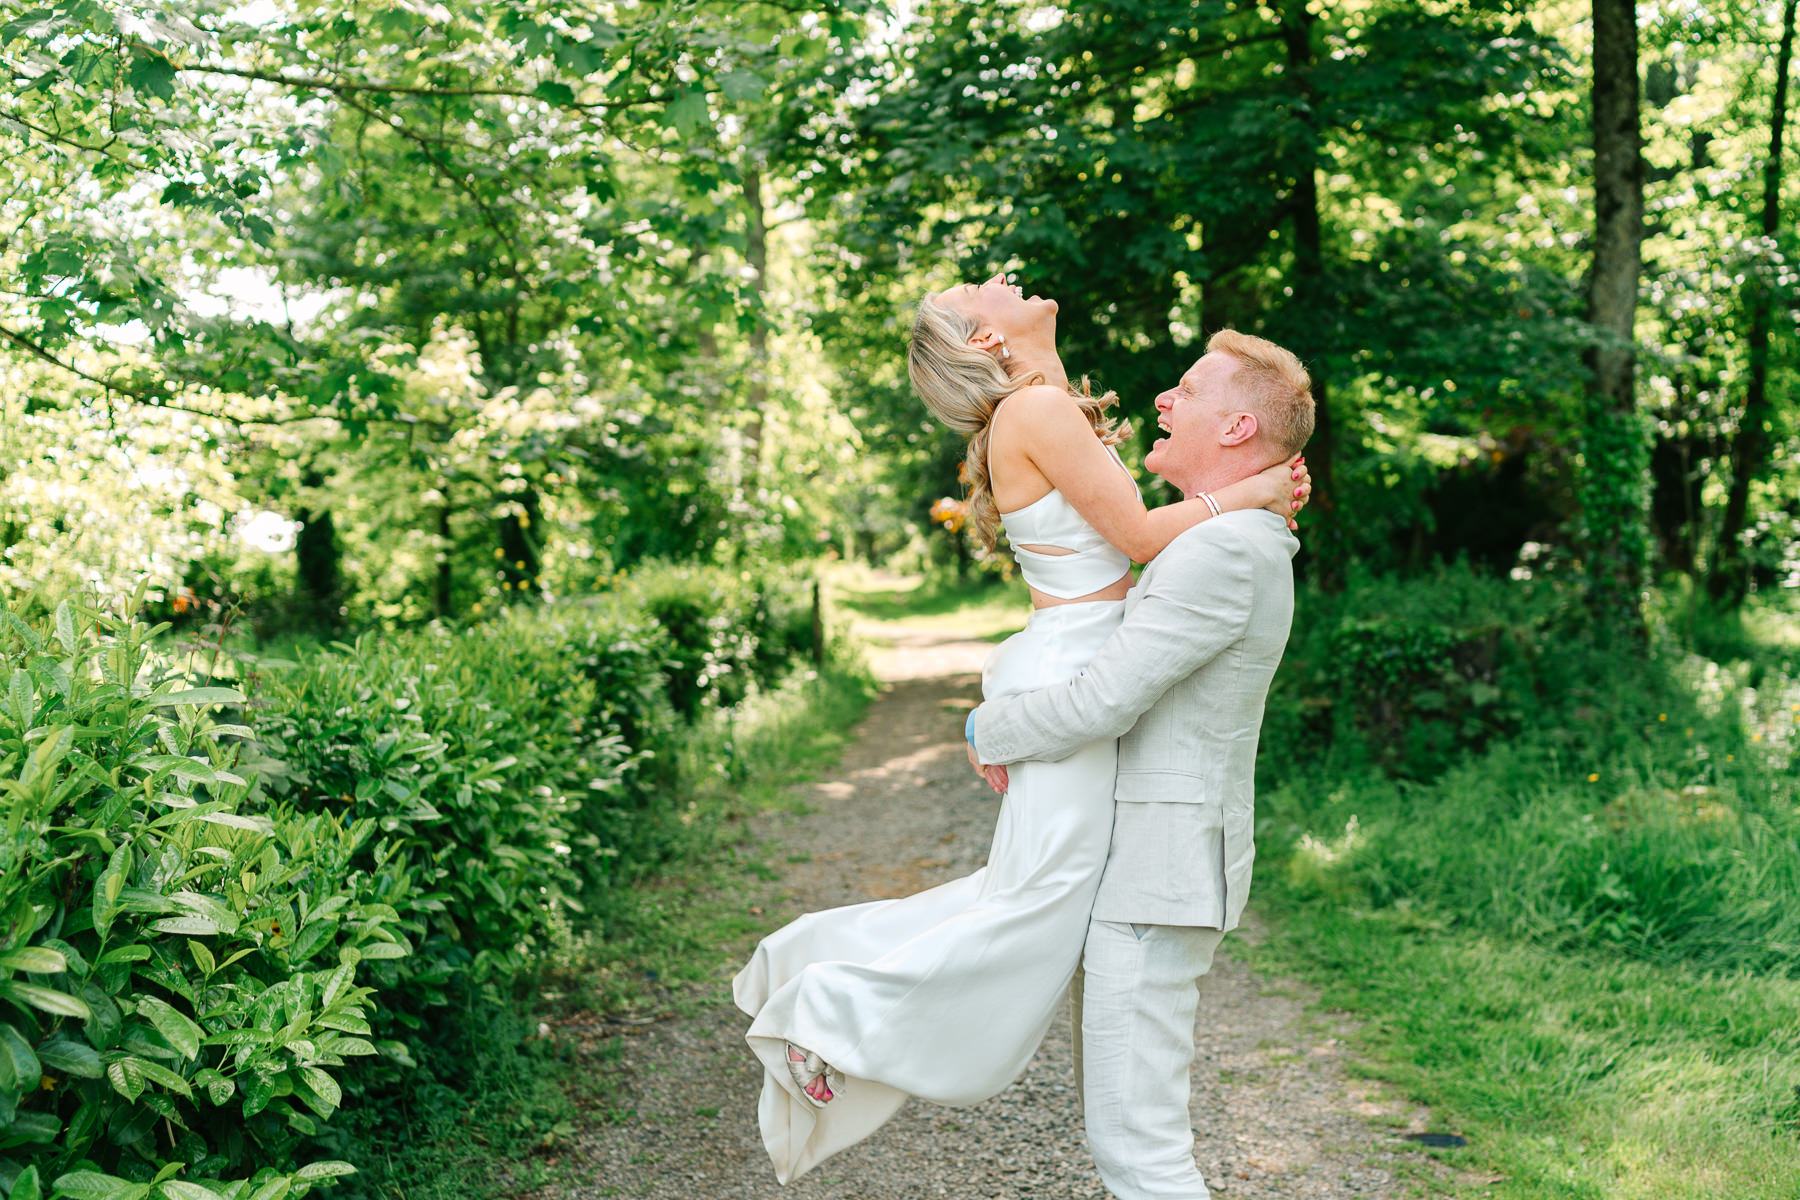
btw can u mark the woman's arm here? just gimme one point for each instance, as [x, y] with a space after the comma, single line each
[1060, 442]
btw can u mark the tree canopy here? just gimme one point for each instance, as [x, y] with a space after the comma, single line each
[467, 303]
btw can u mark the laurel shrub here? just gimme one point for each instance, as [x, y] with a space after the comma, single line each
[225, 912]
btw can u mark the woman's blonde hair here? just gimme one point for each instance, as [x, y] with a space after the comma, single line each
[963, 385]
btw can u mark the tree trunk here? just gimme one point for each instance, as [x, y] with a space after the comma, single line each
[1730, 578]
[1615, 474]
[316, 554]
[445, 566]
[1675, 500]
[519, 558]
[1310, 300]
[756, 251]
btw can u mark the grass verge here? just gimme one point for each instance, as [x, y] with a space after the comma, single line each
[1575, 1076]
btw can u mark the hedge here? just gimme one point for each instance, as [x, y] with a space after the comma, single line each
[225, 912]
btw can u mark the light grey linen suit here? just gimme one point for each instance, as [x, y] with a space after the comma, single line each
[1182, 684]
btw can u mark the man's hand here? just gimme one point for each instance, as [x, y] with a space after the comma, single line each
[995, 776]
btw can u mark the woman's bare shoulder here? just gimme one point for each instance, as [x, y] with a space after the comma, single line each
[1030, 407]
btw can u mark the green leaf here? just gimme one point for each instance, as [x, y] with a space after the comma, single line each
[126, 1079]
[41, 1128]
[65, 627]
[203, 958]
[34, 960]
[181, 1033]
[329, 1169]
[103, 1027]
[219, 1091]
[91, 1185]
[384, 950]
[26, 1186]
[254, 824]
[58, 1003]
[189, 769]
[554, 92]
[210, 907]
[687, 113]
[204, 695]
[274, 1189]
[65, 1054]
[154, 75]
[182, 1189]
[324, 1087]
[121, 954]
[258, 1091]
[19, 1069]
[24, 698]
[157, 1073]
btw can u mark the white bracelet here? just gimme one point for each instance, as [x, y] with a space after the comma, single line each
[1212, 504]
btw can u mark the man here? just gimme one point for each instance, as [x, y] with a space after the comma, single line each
[1182, 685]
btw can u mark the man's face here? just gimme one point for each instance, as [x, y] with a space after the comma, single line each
[1193, 415]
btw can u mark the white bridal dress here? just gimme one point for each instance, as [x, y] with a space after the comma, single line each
[946, 994]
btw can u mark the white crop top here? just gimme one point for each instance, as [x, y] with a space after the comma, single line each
[1051, 520]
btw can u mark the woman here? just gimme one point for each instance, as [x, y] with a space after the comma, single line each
[946, 994]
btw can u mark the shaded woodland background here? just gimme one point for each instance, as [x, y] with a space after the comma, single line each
[431, 434]
[366, 315]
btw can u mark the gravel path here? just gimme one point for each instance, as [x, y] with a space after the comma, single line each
[1277, 1114]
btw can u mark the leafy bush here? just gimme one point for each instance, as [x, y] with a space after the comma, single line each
[178, 963]
[726, 631]
[1640, 806]
[1410, 674]
[203, 925]
[471, 751]
[1420, 693]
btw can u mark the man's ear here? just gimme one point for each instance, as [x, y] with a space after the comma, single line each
[1241, 429]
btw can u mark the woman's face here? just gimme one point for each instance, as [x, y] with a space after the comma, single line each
[999, 306]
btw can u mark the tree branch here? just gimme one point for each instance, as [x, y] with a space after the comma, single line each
[341, 87]
[153, 398]
[424, 141]
[59, 139]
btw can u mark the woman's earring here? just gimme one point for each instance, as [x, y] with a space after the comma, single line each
[1004, 352]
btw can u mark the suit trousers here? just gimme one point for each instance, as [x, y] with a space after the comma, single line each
[1132, 1008]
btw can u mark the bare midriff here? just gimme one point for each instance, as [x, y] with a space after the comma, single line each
[1113, 591]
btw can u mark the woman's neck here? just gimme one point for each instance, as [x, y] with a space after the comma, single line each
[1028, 357]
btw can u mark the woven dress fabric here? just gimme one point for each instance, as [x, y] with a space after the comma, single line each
[945, 994]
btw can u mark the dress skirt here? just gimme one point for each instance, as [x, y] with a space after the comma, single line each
[945, 994]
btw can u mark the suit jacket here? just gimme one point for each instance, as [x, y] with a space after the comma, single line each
[1182, 685]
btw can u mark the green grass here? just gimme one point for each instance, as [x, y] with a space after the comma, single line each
[1580, 944]
[1574, 1076]
[978, 607]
